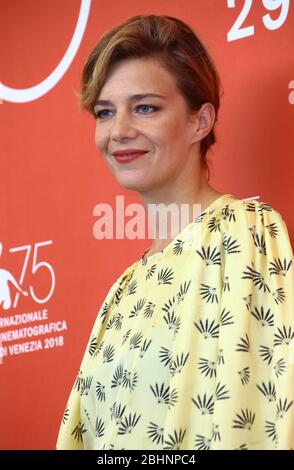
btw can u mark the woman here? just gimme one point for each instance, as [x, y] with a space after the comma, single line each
[191, 348]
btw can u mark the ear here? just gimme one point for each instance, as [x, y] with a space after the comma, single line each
[204, 120]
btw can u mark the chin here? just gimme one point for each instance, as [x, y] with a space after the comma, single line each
[135, 185]
[132, 185]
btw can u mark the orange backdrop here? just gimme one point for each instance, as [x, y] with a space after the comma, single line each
[53, 177]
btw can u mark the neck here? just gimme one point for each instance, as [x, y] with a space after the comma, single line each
[196, 192]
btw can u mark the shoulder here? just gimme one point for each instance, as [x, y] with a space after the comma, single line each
[253, 220]
[251, 211]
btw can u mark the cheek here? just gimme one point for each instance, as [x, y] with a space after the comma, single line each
[100, 140]
[171, 131]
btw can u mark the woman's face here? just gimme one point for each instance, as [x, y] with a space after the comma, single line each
[159, 125]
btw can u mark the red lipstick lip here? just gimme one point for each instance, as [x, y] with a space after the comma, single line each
[128, 152]
[125, 158]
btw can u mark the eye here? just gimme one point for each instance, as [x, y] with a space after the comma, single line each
[147, 106]
[100, 114]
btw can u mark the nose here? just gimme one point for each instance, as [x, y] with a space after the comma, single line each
[122, 127]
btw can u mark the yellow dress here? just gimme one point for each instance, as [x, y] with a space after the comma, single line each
[193, 346]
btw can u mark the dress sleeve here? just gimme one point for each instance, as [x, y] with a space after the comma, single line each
[71, 431]
[261, 292]
[277, 267]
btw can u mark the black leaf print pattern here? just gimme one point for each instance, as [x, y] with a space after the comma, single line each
[266, 354]
[207, 367]
[165, 276]
[144, 260]
[279, 295]
[118, 321]
[205, 404]
[173, 322]
[86, 384]
[78, 432]
[132, 287]
[273, 229]
[248, 301]
[208, 293]
[215, 433]
[183, 291]
[149, 310]
[165, 356]
[137, 308]
[87, 415]
[210, 256]
[199, 218]
[178, 247]
[225, 318]
[228, 214]
[136, 340]
[117, 412]
[230, 246]
[263, 207]
[150, 271]
[174, 441]
[117, 376]
[115, 321]
[98, 349]
[129, 380]
[283, 336]
[244, 345]
[226, 285]
[244, 375]
[270, 429]
[265, 318]
[104, 311]
[118, 293]
[99, 428]
[178, 363]
[129, 423]
[144, 347]
[280, 268]
[92, 346]
[257, 278]
[108, 353]
[163, 394]
[202, 442]
[280, 367]
[221, 393]
[269, 391]
[244, 420]
[220, 357]
[250, 206]
[65, 415]
[169, 307]
[214, 225]
[126, 336]
[155, 433]
[283, 407]
[258, 240]
[208, 329]
[78, 381]
[110, 323]
[108, 447]
[100, 391]
[242, 447]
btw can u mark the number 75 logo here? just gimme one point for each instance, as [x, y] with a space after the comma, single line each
[7, 278]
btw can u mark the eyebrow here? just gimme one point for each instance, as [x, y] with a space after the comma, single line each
[136, 97]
